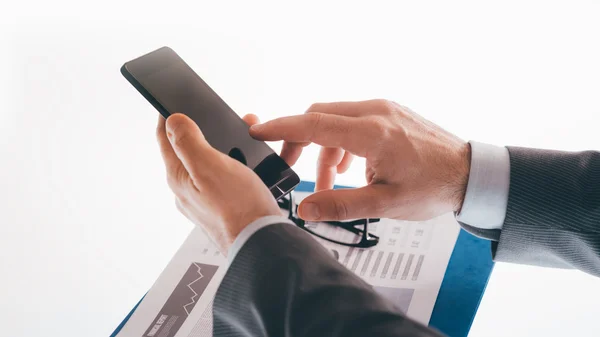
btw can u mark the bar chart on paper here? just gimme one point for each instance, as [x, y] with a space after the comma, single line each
[404, 267]
[383, 265]
[400, 255]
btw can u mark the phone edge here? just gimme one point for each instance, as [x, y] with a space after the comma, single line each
[145, 93]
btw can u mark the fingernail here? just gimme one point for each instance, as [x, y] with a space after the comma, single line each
[310, 211]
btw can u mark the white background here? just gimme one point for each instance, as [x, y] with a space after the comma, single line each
[86, 219]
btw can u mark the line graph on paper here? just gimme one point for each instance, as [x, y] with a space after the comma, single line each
[182, 300]
[189, 306]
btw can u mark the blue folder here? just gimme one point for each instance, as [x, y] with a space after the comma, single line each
[463, 286]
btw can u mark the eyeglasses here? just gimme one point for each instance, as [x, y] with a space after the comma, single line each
[353, 233]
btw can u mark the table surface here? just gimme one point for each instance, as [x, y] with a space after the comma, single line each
[87, 219]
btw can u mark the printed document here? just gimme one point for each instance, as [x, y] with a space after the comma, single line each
[407, 266]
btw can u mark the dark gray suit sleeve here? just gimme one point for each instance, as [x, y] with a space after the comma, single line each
[553, 213]
[284, 283]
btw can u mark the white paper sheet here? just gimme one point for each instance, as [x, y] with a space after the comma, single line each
[407, 267]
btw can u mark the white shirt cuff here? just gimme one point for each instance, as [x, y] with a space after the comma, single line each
[252, 228]
[486, 198]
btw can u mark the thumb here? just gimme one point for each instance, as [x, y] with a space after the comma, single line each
[349, 203]
[190, 146]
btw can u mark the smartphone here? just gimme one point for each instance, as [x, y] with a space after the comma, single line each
[171, 86]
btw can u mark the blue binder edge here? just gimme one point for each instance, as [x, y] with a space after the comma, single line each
[461, 291]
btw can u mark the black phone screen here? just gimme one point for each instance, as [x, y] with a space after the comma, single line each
[175, 87]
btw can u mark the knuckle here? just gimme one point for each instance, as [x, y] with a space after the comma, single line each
[314, 107]
[330, 124]
[316, 120]
[343, 126]
[380, 126]
[340, 209]
[176, 179]
[381, 103]
[181, 139]
[404, 112]
[385, 106]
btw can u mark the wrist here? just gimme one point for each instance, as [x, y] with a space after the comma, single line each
[252, 228]
[462, 167]
[235, 225]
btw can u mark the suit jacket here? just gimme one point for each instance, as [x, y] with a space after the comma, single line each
[553, 213]
[283, 283]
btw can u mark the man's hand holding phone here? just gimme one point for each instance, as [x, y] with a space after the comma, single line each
[172, 86]
[212, 190]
